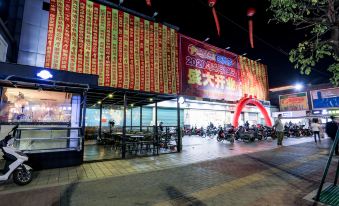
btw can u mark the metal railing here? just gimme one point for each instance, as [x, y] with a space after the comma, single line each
[145, 140]
[328, 164]
[48, 139]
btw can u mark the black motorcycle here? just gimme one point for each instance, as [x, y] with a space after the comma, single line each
[306, 132]
[269, 132]
[258, 134]
[202, 132]
[246, 136]
[287, 131]
[261, 133]
[211, 131]
[295, 131]
[228, 135]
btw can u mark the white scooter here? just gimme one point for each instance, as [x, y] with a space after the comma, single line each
[22, 174]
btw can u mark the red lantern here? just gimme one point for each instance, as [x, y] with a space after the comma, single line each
[250, 13]
[212, 3]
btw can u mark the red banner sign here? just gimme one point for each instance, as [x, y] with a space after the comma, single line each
[209, 72]
[124, 50]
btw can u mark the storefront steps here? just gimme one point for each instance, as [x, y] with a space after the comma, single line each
[195, 150]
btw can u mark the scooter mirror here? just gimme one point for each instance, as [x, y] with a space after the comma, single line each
[14, 129]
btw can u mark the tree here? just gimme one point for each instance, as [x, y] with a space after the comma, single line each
[320, 20]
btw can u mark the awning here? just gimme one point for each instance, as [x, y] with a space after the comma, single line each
[134, 98]
[50, 85]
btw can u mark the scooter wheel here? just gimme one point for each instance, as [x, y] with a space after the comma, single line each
[219, 139]
[232, 140]
[22, 177]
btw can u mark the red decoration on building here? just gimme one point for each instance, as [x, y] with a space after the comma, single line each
[212, 3]
[249, 100]
[148, 2]
[250, 13]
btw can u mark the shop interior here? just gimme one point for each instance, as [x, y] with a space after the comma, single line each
[118, 123]
[126, 124]
[50, 118]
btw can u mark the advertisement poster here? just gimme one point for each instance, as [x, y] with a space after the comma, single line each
[208, 72]
[124, 50]
[325, 98]
[293, 102]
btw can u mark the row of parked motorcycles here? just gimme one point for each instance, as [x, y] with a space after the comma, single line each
[297, 131]
[245, 133]
[230, 133]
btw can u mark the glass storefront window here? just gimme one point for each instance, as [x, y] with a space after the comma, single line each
[93, 117]
[26, 105]
[48, 138]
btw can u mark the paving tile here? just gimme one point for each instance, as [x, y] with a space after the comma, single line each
[232, 176]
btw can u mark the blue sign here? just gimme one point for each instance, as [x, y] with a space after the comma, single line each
[326, 98]
[224, 60]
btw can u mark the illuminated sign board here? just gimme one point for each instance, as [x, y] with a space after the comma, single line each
[325, 98]
[209, 72]
[293, 102]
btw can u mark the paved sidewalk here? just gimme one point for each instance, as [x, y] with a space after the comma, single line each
[279, 176]
[195, 150]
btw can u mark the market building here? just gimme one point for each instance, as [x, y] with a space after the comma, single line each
[77, 71]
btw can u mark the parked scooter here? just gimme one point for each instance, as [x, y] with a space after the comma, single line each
[287, 131]
[256, 132]
[261, 133]
[22, 174]
[246, 136]
[306, 132]
[202, 132]
[228, 136]
[211, 130]
[267, 132]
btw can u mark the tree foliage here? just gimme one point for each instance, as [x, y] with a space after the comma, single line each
[320, 20]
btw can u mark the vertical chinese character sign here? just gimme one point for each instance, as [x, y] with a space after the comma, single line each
[208, 72]
[254, 78]
[124, 50]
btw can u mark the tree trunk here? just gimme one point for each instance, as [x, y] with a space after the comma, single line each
[335, 39]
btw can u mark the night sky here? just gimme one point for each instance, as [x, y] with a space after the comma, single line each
[272, 41]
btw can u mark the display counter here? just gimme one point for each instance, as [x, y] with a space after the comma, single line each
[50, 147]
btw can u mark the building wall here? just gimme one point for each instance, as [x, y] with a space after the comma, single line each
[11, 14]
[32, 47]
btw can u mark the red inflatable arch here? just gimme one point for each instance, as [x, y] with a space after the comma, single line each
[250, 100]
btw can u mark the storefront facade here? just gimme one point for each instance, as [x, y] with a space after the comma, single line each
[106, 64]
[219, 79]
[50, 113]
